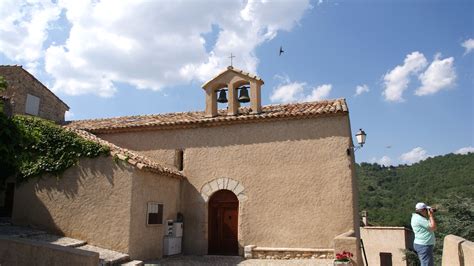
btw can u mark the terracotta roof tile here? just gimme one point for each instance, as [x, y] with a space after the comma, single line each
[236, 70]
[131, 157]
[195, 119]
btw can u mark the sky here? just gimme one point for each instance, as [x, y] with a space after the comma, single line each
[406, 68]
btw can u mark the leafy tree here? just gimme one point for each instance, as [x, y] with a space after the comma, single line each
[389, 194]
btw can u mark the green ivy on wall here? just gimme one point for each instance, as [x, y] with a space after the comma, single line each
[31, 146]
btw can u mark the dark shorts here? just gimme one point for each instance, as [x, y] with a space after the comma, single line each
[425, 254]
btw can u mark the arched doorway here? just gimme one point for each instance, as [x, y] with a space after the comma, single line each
[223, 223]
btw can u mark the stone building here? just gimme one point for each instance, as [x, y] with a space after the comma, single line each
[273, 181]
[28, 96]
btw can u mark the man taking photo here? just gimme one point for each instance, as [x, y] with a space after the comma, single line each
[423, 224]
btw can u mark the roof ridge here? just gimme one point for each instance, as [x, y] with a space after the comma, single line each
[198, 111]
[197, 119]
[138, 160]
[236, 70]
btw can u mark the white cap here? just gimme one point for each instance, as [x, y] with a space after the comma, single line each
[422, 206]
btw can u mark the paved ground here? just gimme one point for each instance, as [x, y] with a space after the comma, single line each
[230, 260]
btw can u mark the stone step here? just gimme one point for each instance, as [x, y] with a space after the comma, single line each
[133, 263]
[19, 231]
[107, 256]
[58, 240]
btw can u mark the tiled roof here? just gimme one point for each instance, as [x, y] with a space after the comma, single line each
[15, 69]
[198, 119]
[137, 160]
[236, 70]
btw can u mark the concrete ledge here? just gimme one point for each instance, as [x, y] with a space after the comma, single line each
[17, 251]
[348, 242]
[254, 252]
[294, 249]
[457, 251]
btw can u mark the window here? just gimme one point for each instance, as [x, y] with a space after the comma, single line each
[155, 213]
[178, 159]
[32, 104]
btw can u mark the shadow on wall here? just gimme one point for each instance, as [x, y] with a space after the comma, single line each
[233, 135]
[69, 181]
[29, 208]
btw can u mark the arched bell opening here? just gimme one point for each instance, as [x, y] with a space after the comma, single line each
[223, 213]
[241, 92]
[222, 96]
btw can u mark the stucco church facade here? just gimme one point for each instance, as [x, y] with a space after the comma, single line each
[256, 181]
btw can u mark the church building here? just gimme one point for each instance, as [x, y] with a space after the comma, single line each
[274, 181]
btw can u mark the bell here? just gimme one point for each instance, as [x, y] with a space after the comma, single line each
[244, 95]
[222, 97]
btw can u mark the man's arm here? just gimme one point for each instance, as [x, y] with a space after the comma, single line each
[432, 220]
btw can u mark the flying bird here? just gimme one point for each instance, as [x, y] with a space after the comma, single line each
[281, 50]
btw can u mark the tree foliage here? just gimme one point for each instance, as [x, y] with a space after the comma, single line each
[389, 194]
[31, 146]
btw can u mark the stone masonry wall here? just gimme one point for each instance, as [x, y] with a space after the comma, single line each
[20, 83]
[253, 252]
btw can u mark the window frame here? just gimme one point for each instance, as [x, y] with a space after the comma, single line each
[33, 106]
[150, 203]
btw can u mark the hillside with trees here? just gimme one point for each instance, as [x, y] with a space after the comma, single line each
[389, 194]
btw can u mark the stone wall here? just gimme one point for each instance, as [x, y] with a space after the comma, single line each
[386, 239]
[146, 241]
[253, 252]
[457, 251]
[14, 251]
[102, 202]
[90, 202]
[20, 83]
[298, 180]
[5, 106]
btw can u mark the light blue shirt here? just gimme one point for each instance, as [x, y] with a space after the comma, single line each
[421, 228]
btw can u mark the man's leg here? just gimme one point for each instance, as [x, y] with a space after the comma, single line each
[425, 254]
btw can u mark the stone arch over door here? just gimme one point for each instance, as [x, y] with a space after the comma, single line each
[223, 183]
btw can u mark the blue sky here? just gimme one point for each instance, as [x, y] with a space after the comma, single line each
[412, 61]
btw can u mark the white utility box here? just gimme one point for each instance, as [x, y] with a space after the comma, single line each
[178, 229]
[171, 245]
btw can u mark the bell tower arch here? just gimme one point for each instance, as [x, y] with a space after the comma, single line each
[233, 80]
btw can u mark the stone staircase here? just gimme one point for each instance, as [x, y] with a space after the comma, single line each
[106, 257]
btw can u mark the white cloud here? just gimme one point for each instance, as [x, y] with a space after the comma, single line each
[468, 45]
[439, 75]
[288, 91]
[361, 89]
[23, 29]
[414, 156]
[396, 81]
[465, 150]
[155, 44]
[385, 161]
[319, 93]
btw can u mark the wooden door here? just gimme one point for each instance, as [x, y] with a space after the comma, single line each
[385, 259]
[223, 223]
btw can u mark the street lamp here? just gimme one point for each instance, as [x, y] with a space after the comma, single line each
[360, 136]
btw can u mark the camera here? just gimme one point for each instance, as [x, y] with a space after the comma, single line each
[432, 209]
